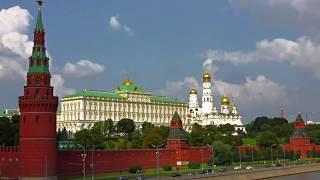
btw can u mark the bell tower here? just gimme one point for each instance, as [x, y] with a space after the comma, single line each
[38, 107]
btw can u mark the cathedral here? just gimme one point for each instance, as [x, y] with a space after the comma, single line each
[207, 113]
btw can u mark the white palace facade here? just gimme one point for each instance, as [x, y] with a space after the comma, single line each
[84, 108]
[207, 113]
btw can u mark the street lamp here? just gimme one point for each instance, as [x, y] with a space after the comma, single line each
[83, 158]
[272, 153]
[157, 157]
[240, 156]
[201, 157]
[212, 153]
[252, 158]
[92, 162]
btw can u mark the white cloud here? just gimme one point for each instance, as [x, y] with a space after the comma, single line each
[302, 53]
[59, 86]
[179, 89]
[298, 14]
[14, 19]
[115, 24]
[82, 68]
[255, 93]
[15, 48]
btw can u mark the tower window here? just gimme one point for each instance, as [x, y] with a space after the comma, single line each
[37, 92]
[37, 118]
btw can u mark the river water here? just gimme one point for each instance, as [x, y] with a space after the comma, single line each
[304, 176]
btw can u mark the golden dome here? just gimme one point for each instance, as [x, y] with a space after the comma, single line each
[127, 82]
[206, 77]
[225, 100]
[193, 91]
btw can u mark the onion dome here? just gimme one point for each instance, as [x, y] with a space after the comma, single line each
[193, 91]
[225, 100]
[127, 82]
[206, 77]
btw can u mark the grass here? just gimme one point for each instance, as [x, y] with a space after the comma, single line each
[249, 141]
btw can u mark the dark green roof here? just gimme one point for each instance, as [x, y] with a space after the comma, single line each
[39, 25]
[101, 94]
[129, 86]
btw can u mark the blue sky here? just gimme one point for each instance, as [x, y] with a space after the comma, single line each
[264, 53]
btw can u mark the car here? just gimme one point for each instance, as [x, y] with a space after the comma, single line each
[123, 178]
[237, 168]
[249, 168]
[222, 170]
[175, 174]
[140, 178]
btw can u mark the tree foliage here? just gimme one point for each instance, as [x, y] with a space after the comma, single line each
[9, 131]
[266, 139]
[126, 126]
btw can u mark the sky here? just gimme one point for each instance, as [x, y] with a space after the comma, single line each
[263, 53]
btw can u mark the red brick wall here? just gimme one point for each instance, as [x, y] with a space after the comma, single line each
[9, 162]
[69, 162]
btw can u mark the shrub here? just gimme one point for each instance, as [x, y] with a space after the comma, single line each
[135, 169]
[194, 165]
[167, 168]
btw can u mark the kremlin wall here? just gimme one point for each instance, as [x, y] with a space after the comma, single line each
[37, 157]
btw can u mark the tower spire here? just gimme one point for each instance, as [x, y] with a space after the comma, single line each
[39, 25]
[39, 62]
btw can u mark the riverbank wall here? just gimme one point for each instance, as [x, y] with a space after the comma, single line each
[269, 172]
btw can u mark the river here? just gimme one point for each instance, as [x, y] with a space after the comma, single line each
[304, 176]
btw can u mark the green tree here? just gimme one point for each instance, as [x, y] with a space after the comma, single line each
[314, 136]
[126, 126]
[137, 140]
[146, 126]
[197, 135]
[226, 129]
[97, 137]
[222, 153]
[153, 137]
[62, 135]
[83, 138]
[266, 139]
[105, 127]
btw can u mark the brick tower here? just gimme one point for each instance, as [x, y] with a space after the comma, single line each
[38, 106]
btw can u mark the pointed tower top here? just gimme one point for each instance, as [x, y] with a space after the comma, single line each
[39, 25]
[299, 118]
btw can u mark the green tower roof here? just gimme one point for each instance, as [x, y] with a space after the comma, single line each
[39, 62]
[39, 24]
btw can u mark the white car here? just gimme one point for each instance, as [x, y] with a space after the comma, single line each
[249, 168]
[237, 168]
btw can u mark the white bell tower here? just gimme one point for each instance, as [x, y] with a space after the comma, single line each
[207, 98]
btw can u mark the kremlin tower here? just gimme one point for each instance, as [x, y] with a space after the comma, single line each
[207, 98]
[38, 106]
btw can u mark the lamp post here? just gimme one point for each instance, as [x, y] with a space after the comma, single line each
[157, 157]
[239, 156]
[201, 157]
[272, 153]
[252, 158]
[92, 162]
[294, 153]
[212, 153]
[84, 156]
